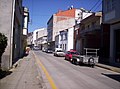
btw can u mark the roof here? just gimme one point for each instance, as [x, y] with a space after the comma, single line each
[92, 16]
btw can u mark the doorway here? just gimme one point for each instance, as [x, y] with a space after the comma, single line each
[117, 46]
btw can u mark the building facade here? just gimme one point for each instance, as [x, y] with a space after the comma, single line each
[11, 24]
[38, 34]
[77, 37]
[63, 20]
[42, 42]
[30, 39]
[11, 17]
[25, 30]
[90, 31]
[111, 18]
[65, 39]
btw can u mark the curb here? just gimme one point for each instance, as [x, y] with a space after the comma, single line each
[109, 68]
[16, 64]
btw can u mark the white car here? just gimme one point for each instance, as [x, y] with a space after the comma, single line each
[59, 53]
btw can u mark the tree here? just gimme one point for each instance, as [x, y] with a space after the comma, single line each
[3, 44]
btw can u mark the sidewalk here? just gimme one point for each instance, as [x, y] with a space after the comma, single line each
[24, 76]
[115, 69]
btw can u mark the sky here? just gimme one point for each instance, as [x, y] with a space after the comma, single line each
[41, 10]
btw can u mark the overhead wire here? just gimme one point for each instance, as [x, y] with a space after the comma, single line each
[98, 6]
[94, 7]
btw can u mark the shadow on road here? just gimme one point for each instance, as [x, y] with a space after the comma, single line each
[4, 73]
[113, 76]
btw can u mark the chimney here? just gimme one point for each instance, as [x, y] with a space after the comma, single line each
[59, 11]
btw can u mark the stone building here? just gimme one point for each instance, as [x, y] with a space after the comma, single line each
[11, 24]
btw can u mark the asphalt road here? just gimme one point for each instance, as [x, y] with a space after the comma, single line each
[68, 76]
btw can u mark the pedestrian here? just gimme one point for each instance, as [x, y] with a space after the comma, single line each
[27, 50]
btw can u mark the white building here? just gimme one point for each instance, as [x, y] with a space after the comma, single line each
[65, 39]
[42, 42]
[38, 33]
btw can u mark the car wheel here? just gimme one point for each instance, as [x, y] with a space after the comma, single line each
[91, 62]
[76, 63]
[65, 58]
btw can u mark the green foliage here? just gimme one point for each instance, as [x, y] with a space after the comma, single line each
[3, 44]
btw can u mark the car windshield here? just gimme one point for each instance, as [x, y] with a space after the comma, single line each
[59, 50]
[49, 49]
[75, 53]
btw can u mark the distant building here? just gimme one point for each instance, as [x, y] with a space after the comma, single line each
[38, 36]
[63, 20]
[35, 36]
[111, 31]
[30, 39]
[42, 42]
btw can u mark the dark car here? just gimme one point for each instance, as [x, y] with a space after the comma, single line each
[68, 55]
[49, 50]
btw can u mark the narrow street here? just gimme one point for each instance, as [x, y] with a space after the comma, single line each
[34, 32]
[68, 76]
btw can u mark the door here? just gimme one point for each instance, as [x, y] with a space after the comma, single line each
[117, 45]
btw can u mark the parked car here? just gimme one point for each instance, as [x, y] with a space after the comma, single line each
[44, 49]
[36, 48]
[49, 50]
[59, 52]
[69, 54]
[90, 57]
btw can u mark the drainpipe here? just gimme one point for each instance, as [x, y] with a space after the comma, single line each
[11, 40]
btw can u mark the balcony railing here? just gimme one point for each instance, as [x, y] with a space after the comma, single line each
[91, 29]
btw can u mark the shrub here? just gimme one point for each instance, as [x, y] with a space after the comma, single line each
[3, 44]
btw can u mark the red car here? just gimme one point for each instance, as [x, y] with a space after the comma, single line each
[68, 55]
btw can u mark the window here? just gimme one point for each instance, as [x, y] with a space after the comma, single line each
[113, 4]
[60, 45]
[93, 24]
[65, 36]
[36, 35]
[109, 5]
[61, 37]
[88, 26]
[65, 46]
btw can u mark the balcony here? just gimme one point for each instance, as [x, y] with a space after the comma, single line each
[90, 30]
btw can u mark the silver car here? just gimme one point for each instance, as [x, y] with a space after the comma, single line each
[59, 53]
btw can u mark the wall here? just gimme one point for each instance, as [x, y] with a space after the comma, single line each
[6, 28]
[70, 38]
[112, 42]
[42, 32]
[11, 25]
[62, 25]
[113, 14]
